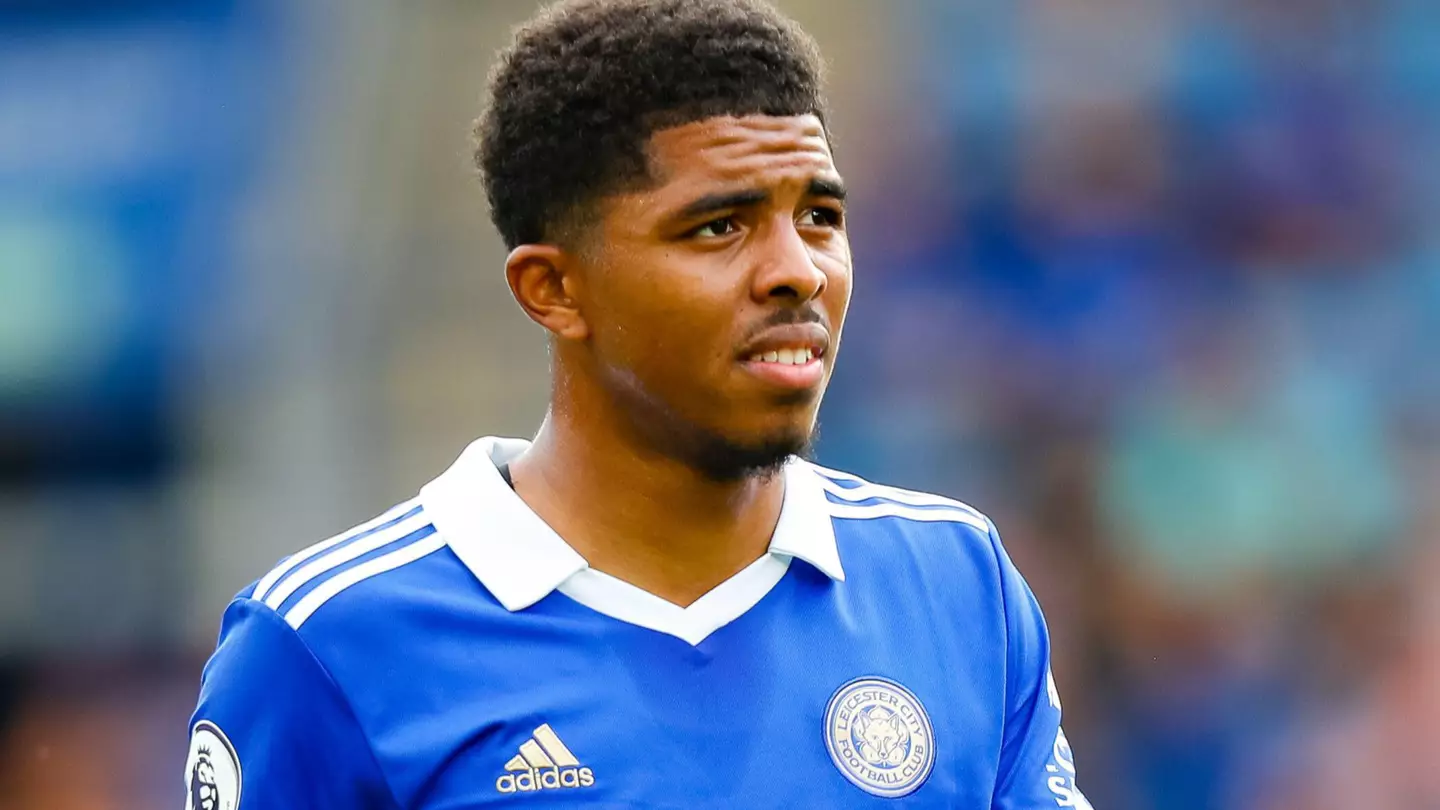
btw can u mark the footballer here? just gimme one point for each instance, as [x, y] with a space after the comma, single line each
[656, 601]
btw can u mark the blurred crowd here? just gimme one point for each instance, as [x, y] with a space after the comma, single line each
[1154, 284]
[1166, 303]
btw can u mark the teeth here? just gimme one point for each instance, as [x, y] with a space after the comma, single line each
[787, 357]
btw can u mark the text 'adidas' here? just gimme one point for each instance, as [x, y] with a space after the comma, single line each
[544, 763]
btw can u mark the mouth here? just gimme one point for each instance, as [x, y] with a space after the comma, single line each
[789, 357]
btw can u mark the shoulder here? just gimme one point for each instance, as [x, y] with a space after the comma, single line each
[368, 563]
[915, 536]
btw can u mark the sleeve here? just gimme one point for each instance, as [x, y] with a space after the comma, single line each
[1037, 768]
[272, 730]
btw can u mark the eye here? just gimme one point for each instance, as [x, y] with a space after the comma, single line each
[821, 217]
[715, 228]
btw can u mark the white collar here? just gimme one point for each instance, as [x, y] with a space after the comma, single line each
[521, 560]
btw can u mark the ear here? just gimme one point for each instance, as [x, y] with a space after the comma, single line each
[545, 282]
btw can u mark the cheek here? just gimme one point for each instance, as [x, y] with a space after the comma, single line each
[838, 287]
[842, 282]
[665, 317]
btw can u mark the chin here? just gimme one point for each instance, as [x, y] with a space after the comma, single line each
[743, 440]
[733, 457]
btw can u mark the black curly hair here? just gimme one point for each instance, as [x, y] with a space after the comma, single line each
[574, 100]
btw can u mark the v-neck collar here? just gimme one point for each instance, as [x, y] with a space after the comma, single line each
[521, 560]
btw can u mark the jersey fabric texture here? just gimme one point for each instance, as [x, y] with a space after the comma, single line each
[456, 653]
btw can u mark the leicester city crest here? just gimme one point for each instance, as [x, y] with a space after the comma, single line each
[880, 737]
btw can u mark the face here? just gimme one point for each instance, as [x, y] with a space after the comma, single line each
[714, 298]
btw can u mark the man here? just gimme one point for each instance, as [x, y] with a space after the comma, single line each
[656, 603]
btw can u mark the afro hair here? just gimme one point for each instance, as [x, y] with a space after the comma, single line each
[574, 100]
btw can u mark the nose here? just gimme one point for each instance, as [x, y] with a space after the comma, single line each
[785, 268]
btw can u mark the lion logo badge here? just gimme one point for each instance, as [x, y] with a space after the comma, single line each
[880, 737]
[212, 771]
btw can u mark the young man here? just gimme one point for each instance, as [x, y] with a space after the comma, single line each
[656, 603]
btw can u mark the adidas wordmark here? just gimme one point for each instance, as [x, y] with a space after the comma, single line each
[544, 763]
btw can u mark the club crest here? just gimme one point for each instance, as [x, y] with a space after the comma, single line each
[880, 737]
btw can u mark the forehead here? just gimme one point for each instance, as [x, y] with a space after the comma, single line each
[754, 149]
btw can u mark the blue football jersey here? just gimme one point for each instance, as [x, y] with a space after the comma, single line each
[455, 652]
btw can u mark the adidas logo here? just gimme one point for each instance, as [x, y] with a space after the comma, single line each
[544, 763]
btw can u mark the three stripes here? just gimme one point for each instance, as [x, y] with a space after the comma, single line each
[543, 750]
[854, 498]
[404, 528]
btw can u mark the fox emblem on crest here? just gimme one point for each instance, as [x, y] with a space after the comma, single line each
[882, 736]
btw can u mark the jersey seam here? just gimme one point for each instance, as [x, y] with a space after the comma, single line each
[340, 693]
[993, 536]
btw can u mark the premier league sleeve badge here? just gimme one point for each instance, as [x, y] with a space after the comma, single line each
[212, 771]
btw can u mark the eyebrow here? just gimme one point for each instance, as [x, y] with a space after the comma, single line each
[710, 203]
[827, 187]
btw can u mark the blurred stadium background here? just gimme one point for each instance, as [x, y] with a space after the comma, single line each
[1154, 283]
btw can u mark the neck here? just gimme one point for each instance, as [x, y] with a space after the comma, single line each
[641, 516]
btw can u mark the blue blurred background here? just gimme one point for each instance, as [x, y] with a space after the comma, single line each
[1154, 283]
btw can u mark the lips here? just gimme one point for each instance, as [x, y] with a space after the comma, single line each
[788, 357]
